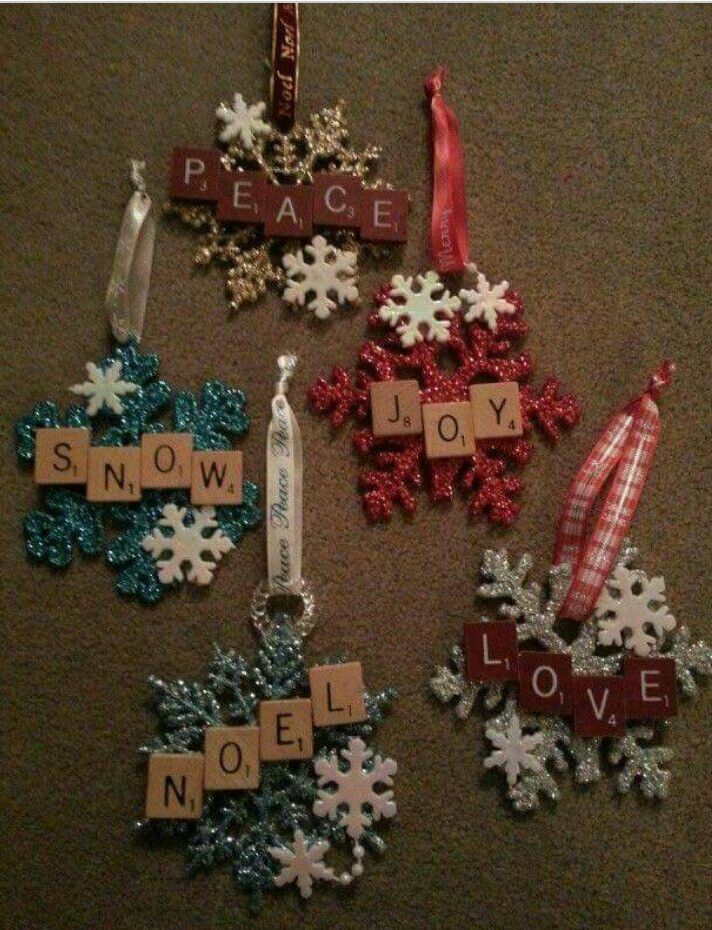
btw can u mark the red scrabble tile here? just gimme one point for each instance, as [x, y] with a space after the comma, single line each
[241, 196]
[384, 215]
[545, 685]
[194, 174]
[337, 200]
[599, 705]
[491, 650]
[288, 210]
[650, 687]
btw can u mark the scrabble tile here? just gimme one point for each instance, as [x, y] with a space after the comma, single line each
[384, 215]
[496, 410]
[288, 210]
[61, 455]
[216, 478]
[166, 460]
[194, 174]
[286, 730]
[232, 758]
[395, 408]
[336, 200]
[241, 196]
[175, 786]
[114, 474]
[599, 705]
[449, 430]
[545, 685]
[337, 694]
[491, 652]
[650, 688]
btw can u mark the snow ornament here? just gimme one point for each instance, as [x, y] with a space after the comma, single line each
[330, 277]
[595, 701]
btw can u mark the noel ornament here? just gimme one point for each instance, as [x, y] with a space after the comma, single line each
[140, 473]
[595, 704]
[265, 765]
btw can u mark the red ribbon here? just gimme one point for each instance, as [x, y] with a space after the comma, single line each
[626, 446]
[448, 228]
[284, 82]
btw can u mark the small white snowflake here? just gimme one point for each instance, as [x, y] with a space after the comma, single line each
[486, 301]
[302, 863]
[104, 388]
[512, 750]
[629, 604]
[187, 544]
[242, 121]
[430, 309]
[331, 271]
[355, 788]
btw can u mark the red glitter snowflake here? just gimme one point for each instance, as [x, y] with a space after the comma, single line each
[399, 467]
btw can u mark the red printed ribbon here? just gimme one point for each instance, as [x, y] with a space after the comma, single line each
[627, 445]
[285, 64]
[448, 229]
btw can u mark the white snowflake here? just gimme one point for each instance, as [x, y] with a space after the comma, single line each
[302, 863]
[187, 544]
[355, 788]
[104, 388]
[431, 308]
[331, 271]
[486, 301]
[242, 121]
[631, 603]
[512, 750]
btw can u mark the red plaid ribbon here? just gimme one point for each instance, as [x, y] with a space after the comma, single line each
[627, 445]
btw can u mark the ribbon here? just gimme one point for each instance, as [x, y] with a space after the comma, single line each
[448, 226]
[625, 449]
[131, 273]
[285, 479]
[284, 80]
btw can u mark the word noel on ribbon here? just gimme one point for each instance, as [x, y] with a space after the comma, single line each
[289, 211]
[231, 756]
[120, 473]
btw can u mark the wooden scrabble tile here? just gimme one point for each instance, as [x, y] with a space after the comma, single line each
[288, 210]
[175, 786]
[166, 460]
[241, 196]
[216, 478]
[384, 215]
[545, 685]
[599, 705]
[114, 473]
[650, 688]
[61, 455]
[449, 430]
[336, 199]
[194, 174]
[337, 694]
[496, 410]
[232, 758]
[395, 408]
[286, 730]
[490, 649]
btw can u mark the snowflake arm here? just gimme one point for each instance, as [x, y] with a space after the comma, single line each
[643, 765]
[330, 271]
[409, 312]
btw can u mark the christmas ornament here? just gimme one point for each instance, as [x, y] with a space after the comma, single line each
[264, 765]
[595, 701]
[144, 526]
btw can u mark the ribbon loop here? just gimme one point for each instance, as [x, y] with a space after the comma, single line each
[448, 226]
[624, 450]
[131, 273]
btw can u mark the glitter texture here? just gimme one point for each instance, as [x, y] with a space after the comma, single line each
[67, 521]
[399, 466]
[633, 760]
[238, 830]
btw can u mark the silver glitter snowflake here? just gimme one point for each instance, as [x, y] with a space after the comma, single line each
[542, 746]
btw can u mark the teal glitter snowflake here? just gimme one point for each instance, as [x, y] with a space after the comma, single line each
[259, 833]
[125, 399]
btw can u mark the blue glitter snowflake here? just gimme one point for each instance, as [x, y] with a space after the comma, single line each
[237, 829]
[67, 522]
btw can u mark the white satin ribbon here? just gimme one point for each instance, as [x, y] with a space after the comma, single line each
[131, 274]
[285, 482]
